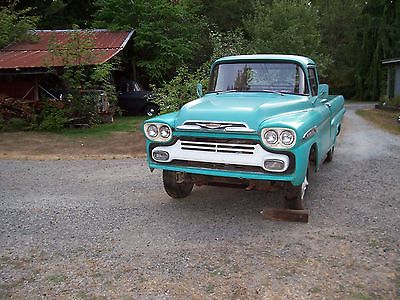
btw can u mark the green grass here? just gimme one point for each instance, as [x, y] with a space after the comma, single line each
[384, 119]
[120, 124]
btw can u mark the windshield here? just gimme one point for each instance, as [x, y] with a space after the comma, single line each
[258, 77]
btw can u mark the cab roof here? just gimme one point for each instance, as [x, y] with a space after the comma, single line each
[302, 60]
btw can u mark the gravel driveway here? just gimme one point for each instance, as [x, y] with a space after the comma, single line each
[95, 229]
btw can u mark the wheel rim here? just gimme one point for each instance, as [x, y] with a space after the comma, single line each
[304, 186]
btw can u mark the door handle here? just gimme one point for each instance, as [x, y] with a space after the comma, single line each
[328, 104]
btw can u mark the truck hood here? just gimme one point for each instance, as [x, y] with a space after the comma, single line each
[251, 108]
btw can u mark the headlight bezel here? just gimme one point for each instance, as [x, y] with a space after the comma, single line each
[158, 137]
[279, 131]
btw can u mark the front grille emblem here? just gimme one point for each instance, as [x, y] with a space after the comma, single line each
[213, 125]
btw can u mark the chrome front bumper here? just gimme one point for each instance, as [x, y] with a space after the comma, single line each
[222, 153]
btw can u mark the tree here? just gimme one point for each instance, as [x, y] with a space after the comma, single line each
[60, 14]
[182, 87]
[378, 38]
[82, 80]
[338, 28]
[15, 25]
[167, 32]
[287, 26]
[226, 14]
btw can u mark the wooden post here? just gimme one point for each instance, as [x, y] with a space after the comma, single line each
[36, 89]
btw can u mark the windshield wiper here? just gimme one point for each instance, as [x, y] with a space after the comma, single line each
[273, 92]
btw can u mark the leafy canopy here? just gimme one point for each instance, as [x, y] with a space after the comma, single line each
[167, 32]
[15, 25]
[287, 27]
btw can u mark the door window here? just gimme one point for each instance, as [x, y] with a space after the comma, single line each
[313, 81]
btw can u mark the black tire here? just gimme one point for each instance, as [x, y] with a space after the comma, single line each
[174, 188]
[151, 110]
[329, 155]
[295, 195]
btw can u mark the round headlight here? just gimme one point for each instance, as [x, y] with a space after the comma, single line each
[152, 131]
[271, 137]
[165, 132]
[287, 137]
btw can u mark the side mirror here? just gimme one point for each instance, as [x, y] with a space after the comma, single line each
[323, 90]
[200, 89]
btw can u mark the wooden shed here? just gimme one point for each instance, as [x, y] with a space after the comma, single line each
[23, 65]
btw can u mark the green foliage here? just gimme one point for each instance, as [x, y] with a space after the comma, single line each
[120, 124]
[390, 102]
[226, 14]
[83, 81]
[288, 27]
[15, 25]
[338, 28]
[14, 124]
[60, 14]
[378, 38]
[182, 88]
[53, 118]
[75, 51]
[166, 32]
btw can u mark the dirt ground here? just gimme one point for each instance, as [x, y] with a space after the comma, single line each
[51, 146]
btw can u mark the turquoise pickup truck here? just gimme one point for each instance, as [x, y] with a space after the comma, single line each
[265, 121]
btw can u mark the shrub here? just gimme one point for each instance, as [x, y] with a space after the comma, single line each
[14, 124]
[53, 118]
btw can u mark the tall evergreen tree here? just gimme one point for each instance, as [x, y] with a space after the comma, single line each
[378, 38]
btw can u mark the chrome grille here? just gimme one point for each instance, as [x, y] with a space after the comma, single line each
[218, 147]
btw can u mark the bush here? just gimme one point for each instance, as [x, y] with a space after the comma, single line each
[53, 118]
[180, 90]
[14, 124]
[385, 101]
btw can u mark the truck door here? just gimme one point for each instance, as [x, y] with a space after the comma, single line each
[322, 106]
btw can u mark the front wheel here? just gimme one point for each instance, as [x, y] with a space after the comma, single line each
[329, 155]
[294, 196]
[177, 184]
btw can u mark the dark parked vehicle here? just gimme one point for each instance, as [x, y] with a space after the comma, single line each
[134, 99]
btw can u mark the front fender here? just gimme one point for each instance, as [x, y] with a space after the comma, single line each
[302, 154]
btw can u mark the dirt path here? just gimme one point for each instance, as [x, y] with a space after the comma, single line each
[106, 229]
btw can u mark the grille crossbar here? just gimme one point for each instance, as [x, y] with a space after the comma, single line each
[218, 147]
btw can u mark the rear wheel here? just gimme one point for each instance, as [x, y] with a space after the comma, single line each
[177, 184]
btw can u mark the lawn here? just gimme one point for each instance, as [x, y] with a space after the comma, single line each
[121, 139]
[120, 124]
[385, 119]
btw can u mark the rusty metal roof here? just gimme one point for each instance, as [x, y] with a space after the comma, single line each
[391, 61]
[102, 46]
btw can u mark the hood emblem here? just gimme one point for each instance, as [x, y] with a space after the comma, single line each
[213, 125]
